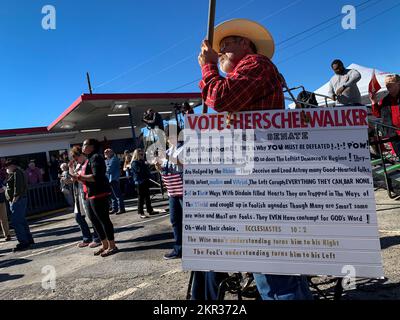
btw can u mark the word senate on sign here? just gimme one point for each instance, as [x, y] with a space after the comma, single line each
[289, 196]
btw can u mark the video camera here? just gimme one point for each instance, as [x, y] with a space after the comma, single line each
[183, 108]
[148, 115]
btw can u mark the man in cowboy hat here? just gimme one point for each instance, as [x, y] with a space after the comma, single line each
[243, 49]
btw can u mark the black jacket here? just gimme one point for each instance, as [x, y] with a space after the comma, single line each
[2, 194]
[16, 185]
[97, 166]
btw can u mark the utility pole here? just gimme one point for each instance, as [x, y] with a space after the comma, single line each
[210, 34]
[88, 81]
[132, 128]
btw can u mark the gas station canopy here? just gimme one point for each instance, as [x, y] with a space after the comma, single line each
[92, 112]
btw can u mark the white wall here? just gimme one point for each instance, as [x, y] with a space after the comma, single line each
[109, 134]
[20, 145]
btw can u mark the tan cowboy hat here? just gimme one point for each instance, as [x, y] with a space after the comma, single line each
[245, 28]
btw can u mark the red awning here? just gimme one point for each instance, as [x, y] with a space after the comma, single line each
[92, 111]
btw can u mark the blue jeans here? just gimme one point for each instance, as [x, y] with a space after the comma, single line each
[18, 220]
[277, 287]
[205, 285]
[175, 215]
[87, 235]
[117, 201]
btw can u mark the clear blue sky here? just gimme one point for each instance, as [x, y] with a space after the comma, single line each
[152, 46]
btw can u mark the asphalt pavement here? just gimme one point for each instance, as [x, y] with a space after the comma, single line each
[139, 271]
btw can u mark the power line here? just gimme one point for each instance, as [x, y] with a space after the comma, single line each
[137, 66]
[262, 19]
[280, 10]
[184, 85]
[325, 28]
[158, 72]
[317, 25]
[337, 35]
[237, 9]
[142, 63]
[300, 33]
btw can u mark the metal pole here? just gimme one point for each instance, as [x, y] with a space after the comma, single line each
[210, 34]
[89, 84]
[132, 128]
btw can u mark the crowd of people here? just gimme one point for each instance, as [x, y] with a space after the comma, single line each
[90, 182]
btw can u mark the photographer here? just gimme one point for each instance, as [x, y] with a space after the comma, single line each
[187, 109]
[153, 119]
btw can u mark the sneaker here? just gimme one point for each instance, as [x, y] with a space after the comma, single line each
[83, 244]
[172, 255]
[120, 212]
[112, 212]
[21, 247]
[143, 216]
[94, 244]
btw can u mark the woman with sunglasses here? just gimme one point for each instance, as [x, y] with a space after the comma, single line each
[81, 204]
[97, 190]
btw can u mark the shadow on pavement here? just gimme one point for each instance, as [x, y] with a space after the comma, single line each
[55, 232]
[50, 243]
[153, 237]
[38, 223]
[164, 245]
[387, 209]
[13, 262]
[5, 250]
[366, 289]
[67, 230]
[387, 242]
[125, 229]
[7, 277]
[374, 289]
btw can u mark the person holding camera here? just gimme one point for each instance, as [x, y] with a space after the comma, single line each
[153, 120]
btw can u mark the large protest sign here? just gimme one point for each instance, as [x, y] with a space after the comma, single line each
[280, 192]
